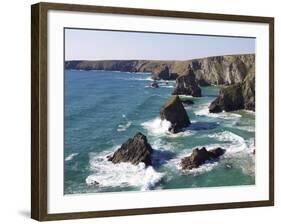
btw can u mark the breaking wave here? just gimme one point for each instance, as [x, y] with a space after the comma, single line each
[160, 127]
[239, 153]
[107, 174]
[157, 126]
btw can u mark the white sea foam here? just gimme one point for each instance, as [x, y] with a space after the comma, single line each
[107, 174]
[204, 111]
[141, 79]
[161, 86]
[184, 133]
[246, 128]
[160, 127]
[234, 143]
[249, 112]
[185, 96]
[207, 167]
[167, 86]
[71, 156]
[157, 126]
[238, 151]
[124, 127]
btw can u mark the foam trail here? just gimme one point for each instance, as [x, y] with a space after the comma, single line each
[71, 156]
[233, 142]
[204, 111]
[124, 127]
[207, 167]
[141, 79]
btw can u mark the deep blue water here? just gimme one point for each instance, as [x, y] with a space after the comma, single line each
[104, 109]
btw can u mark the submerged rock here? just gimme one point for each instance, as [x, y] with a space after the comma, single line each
[187, 85]
[134, 150]
[174, 112]
[200, 156]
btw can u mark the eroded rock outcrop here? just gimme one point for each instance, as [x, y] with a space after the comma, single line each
[200, 156]
[174, 112]
[235, 97]
[187, 85]
[248, 89]
[163, 72]
[135, 150]
[230, 98]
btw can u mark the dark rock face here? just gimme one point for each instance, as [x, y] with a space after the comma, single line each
[236, 97]
[134, 150]
[187, 85]
[229, 99]
[248, 89]
[203, 82]
[174, 112]
[200, 156]
[163, 72]
[217, 152]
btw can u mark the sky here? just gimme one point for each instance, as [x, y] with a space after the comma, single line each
[115, 45]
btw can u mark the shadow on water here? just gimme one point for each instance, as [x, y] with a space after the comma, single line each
[161, 157]
[202, 126]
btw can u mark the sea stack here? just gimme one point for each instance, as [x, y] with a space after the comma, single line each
[236, 97]
[135, 150]
[162, 72]
[199, 157]
[186, 84]
[230, 98]
[174, 112]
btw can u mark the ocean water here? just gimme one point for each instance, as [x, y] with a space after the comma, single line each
[103, 109]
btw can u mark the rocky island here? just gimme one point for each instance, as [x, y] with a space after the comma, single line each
[186, 84]
[174, 112]
[200, 156]
[135, 150]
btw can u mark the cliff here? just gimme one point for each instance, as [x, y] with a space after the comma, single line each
[235, 72]
[217, 70]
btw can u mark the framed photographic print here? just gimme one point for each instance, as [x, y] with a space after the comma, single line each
[138, 111]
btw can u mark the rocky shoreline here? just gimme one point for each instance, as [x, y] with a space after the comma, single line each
[235, 74]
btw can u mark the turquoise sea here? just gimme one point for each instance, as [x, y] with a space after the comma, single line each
[103, 109]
